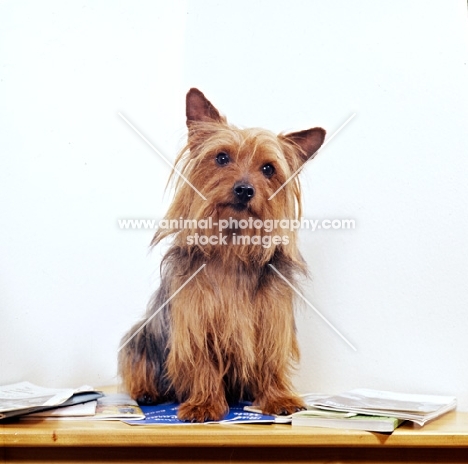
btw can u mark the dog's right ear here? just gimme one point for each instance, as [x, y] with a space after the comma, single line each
[199, 109]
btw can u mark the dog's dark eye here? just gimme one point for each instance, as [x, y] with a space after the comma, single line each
[222, 158]
[268, 170]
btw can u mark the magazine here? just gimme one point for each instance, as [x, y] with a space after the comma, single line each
[114, 406]
[406, 406]
[166, 414]
[118, 406]
[345, 420]
[81, 411]
[25, 398]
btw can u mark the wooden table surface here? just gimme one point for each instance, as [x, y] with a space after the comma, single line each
[443, 440]
[451, 430]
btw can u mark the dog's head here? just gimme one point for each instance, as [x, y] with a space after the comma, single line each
[232, 174]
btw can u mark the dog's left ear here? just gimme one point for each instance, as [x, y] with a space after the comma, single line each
[307, 141]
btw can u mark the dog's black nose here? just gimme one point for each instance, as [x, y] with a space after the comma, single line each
[243, 192]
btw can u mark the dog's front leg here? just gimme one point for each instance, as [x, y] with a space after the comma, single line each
[277, 351]
[198, 384]
[195, 362]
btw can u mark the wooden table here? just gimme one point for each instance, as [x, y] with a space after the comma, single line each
[444, 440]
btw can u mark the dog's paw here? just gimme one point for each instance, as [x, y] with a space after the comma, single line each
[201, 413]
[282, 406]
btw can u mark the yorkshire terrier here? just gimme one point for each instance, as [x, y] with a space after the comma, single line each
[220, 328]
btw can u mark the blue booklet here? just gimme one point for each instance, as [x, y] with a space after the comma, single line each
[166, 414]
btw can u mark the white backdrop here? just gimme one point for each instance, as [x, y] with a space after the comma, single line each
[72, 282]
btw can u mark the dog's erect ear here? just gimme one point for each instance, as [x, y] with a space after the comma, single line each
[308, 141]
[199, 109]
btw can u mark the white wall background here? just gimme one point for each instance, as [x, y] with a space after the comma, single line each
[72, 282]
